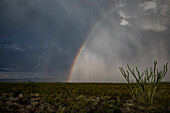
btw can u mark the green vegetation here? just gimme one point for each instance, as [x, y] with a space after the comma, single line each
[76, 97]
[147, 83]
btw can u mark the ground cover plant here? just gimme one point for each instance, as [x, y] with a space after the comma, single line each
[76, 97]
[147, 83]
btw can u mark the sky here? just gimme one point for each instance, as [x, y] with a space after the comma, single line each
[82, 40]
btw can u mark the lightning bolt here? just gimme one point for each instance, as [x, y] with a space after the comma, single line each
[39, 60]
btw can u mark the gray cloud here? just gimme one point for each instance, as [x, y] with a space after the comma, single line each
[113, 45]
[124, 21]
[157, 20]
[9, 44]
[157, 27]
[149, 5]
[6, 69]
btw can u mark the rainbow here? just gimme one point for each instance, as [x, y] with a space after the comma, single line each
[79, 54]
[93, 30]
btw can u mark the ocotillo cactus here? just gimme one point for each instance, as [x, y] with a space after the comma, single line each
[147, 82]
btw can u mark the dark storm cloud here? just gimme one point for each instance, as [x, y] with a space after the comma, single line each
[66, 21]
[59, 25]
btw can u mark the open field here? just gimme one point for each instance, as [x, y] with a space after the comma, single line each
[77, 97]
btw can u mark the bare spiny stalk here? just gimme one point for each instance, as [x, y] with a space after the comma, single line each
[147, 82]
